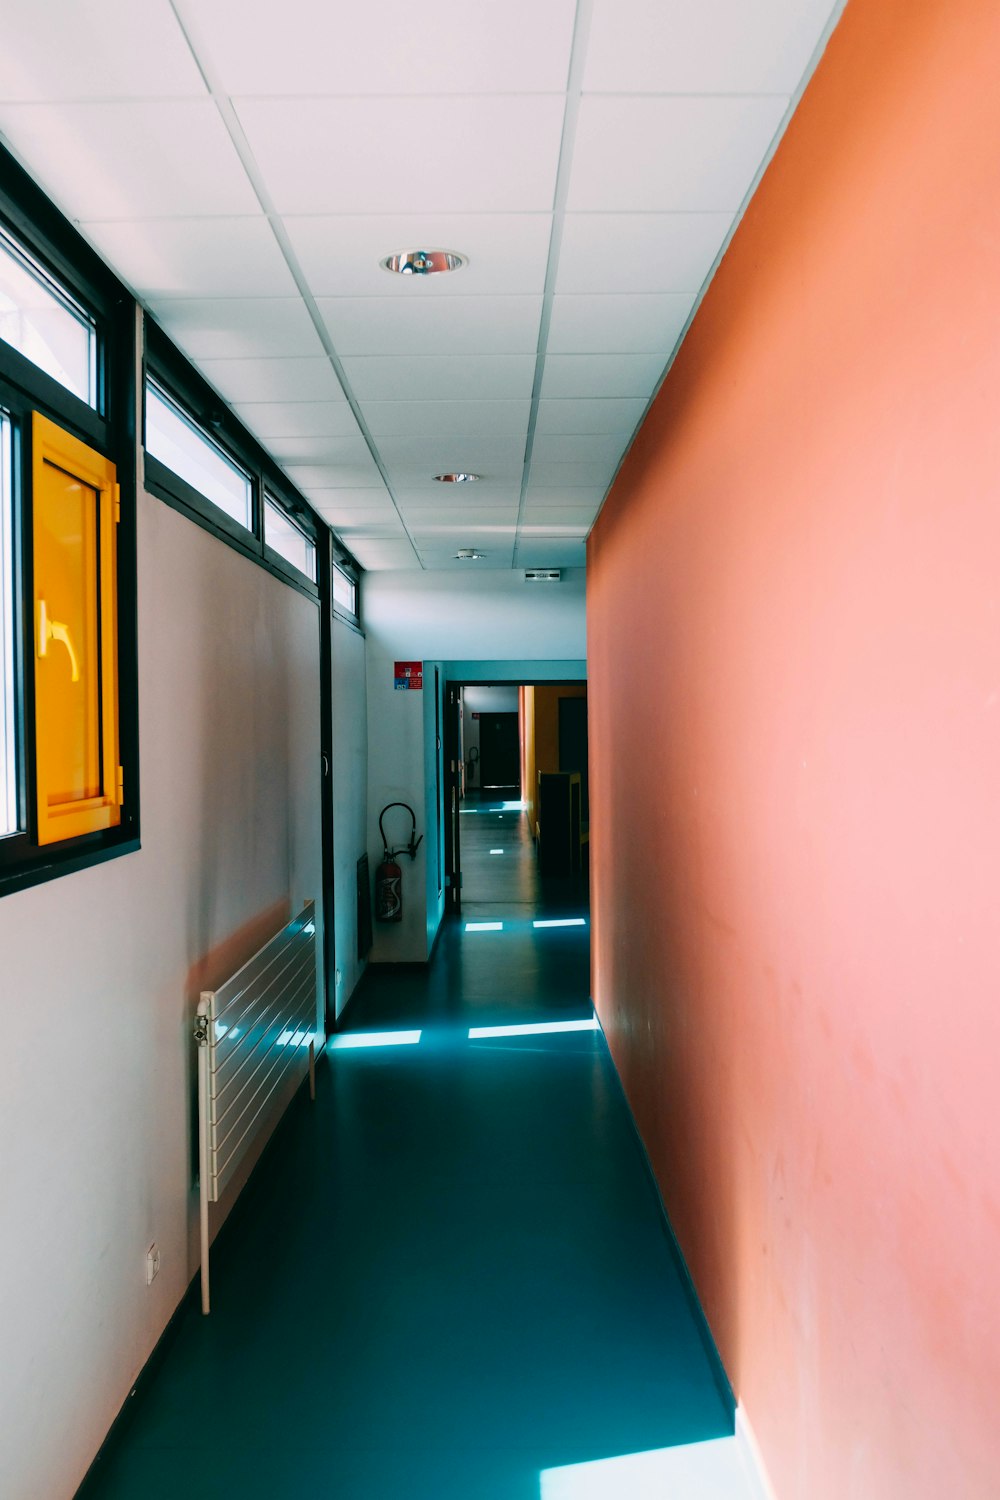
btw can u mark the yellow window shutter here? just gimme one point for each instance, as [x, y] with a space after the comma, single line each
[74, 508]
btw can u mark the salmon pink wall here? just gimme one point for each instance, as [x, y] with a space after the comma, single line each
[796, 850]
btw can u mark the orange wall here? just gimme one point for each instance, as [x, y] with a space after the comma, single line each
[796, 938]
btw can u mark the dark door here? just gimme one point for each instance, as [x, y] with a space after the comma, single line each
[499, 753]
[573, 749]
[452, 795]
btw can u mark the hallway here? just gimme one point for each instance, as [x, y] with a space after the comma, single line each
[500, 1297]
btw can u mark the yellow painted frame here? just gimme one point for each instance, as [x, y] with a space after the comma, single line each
[51, 444]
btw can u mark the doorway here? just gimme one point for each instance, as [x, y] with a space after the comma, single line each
[505, 745]
[500, 754]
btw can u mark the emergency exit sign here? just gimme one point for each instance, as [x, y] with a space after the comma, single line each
[408, 674]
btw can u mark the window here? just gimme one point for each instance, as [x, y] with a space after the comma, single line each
[180, 444]
[345, 593]
[68, 648]
[41, 321]
[288, 539]
[8, 745]
[75, 510]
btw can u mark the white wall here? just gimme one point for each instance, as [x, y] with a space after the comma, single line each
[99, 973]
[350, 800]
[396, 773]
[441, 615]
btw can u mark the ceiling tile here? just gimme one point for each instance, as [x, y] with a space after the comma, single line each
[368, 527]
[622, 324]
[350, 449]
[428, 497]
[639, 252]
[536, 552]
[313, 477]
[490, 154]
[593, 414]
[570, 497]
[580, 516]
[334, 497]
[384, 554]
[588, 476]
[596, 447]
[239, 327]
[386, 418]
[161, 258]
[422, 518]
[670, 154]
[360, 522]
[242, 380]
[130, 161]
[449, 454]
[561, 532]
[120, 49]
[454, 377]
[714, 47]
[297, 419]
[464, 534]
[438, 325]
[601, 374]
[395, 47]
[341, 256]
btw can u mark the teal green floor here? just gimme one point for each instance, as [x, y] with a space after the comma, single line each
[451, 1273]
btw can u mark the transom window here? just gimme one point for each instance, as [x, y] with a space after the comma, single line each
[345, 592]
[284, 536]
[180, 444]
[40, 320]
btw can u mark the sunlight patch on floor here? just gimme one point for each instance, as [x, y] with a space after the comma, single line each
[712, 1470]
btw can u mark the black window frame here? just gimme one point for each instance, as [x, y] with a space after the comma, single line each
[341, 561]
[171, 371]
[48, 239]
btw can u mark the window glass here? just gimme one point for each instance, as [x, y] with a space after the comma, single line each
[179, 443]
[44, 324]
[345, 592]
[8, 767]
[283, 536]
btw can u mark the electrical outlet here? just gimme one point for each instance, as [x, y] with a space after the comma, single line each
[152, 1264]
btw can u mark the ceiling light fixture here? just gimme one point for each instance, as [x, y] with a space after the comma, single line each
[457, 478]
[469, 554]
[423, 262]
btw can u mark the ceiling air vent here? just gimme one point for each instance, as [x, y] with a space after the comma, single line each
[542, 575]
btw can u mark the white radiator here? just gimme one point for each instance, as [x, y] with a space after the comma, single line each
[251, 1034]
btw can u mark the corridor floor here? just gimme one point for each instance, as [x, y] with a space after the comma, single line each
[449, 1279]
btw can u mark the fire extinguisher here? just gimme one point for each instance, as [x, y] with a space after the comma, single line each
[388, 876]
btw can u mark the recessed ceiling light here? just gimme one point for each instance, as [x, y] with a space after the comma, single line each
[469, 554]
[456, 478]
[423, 262]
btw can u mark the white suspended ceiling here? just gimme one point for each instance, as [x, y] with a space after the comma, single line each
[244, 167]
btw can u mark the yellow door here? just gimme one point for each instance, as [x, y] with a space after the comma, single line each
[74, 501]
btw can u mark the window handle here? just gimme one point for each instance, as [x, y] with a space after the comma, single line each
[52, 630]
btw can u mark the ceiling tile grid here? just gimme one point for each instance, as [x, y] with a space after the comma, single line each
[246, 179]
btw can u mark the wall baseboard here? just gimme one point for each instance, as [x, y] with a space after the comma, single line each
[752, 1458]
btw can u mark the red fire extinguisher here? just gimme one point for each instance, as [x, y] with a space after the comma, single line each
[388, 876]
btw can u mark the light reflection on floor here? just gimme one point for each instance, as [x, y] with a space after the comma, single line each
[711, 1470]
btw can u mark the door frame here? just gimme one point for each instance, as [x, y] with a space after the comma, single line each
[452, 771]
